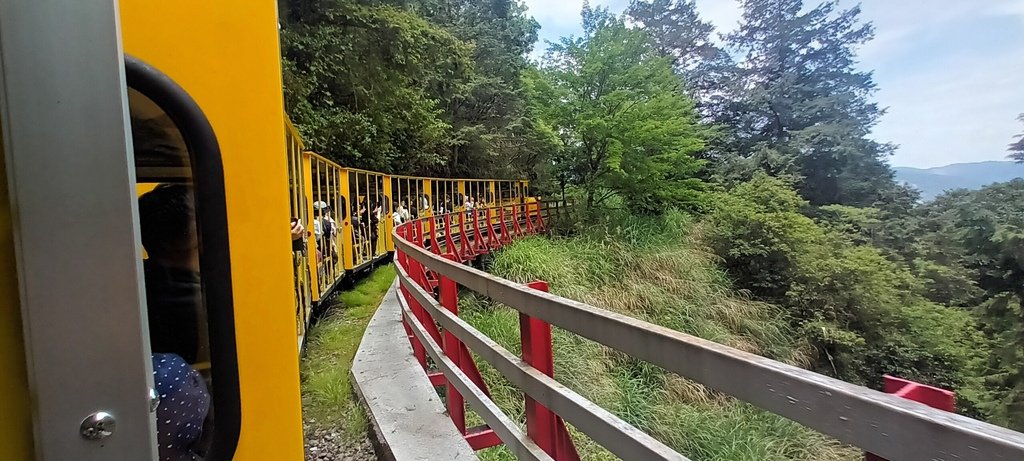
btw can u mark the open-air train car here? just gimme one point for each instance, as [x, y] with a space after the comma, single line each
[106, 107]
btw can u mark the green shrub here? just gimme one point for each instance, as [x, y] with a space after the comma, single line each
[862, 312]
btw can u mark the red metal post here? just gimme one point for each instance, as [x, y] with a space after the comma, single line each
[449, 242]
[529, 220]
[932, 396]
[542, 425]
[492, 243]
[535, 336]
[505, 238]
[452, 348]
[435, 246]
[464, 248]
[480, 246]
[540, 218]
[515, 221]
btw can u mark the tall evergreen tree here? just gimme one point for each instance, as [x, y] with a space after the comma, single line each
[1017, 147]
[800, 107]
[678, 32]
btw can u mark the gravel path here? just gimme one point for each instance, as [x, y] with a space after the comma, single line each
[328, 445]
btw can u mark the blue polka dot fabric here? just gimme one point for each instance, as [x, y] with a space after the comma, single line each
[184, 402]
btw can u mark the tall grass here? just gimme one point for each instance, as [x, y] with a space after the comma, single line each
[327, 395]
[653, 269]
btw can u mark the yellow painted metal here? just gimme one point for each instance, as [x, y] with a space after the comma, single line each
[297, 206]
[345, 246]
[388, 206]
[314, 275]
[16, 423]
[226, 55]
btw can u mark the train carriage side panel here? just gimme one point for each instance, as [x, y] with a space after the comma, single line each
[16, 424]
[226, 55]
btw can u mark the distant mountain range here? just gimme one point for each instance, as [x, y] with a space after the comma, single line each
[934, 181]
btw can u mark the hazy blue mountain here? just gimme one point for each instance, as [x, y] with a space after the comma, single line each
[933, 181]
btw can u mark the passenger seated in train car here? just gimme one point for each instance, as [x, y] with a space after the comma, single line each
[329, 229]
[396, 217]
[424, 203]
[177, 321]
[402, 212]
[184, 406]
[173, 289]
[374, 216]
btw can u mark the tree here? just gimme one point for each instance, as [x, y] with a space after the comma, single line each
[677, 31]
[364, 84]
[491, 133]
[800, 108]
[861, 312]
[626, 126]
[991, 229]
[1017, 147]
[970, 253]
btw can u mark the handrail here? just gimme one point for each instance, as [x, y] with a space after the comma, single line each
[621, 438]
[520, 444]
[876, 422]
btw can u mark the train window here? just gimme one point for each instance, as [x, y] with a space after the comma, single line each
[182, 215]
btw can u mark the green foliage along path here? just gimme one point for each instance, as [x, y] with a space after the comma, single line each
[625, 125]
[655, 269]
[328, 403]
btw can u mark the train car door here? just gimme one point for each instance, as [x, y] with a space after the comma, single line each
[64, 114]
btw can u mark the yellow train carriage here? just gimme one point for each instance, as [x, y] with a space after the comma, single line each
[203, 110]
[108, 102]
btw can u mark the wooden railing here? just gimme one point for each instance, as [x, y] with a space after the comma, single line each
[876, 422]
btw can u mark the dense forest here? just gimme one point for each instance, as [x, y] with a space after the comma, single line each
[761, 138]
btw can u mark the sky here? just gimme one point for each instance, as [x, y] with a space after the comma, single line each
[949, 72]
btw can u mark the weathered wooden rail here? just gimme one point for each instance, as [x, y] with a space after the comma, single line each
[430, 278]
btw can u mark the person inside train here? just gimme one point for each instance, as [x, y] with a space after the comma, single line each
[177, 320]
[424, 202]
[299, 233]
[374, 219]
[328, 229]
[404, 212]
[183, 408]
[364, 226]
[469, 205]
[173, 290]
[396, 217]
